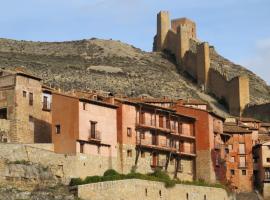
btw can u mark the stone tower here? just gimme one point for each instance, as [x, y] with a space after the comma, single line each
[163, 26]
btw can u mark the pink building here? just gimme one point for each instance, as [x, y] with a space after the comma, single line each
[83, 125]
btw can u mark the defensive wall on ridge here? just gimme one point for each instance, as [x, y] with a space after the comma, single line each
[178, 37]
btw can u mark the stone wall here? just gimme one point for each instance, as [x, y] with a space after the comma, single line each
[63, 165]
[140, 189]
[258, 111]
[235, 92]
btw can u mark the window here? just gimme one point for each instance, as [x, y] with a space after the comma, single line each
[57, 129]
[204, 197]
[187, 196]
[242, 148]
[244, 172]
[142, 135]
[46, 103]
[31, 99]
[3, 113]
[129, 133]
[180, 127]
[242, 161]
[160, 193]
[232, 171]
[24, 94]
[232, 159]
[81, 147]
[93, 129]
[267, 159]
[145, 191]
[143, 154]
[84, 106]
[129, 153]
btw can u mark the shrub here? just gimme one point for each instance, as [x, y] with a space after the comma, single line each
[76, 181]
[169, 183]
[110, 172]
[158, 173]
[92, 179]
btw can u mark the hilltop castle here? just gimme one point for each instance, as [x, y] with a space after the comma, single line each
[179, 38]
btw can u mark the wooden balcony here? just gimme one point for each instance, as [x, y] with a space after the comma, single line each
[152, 127]
[161, 146]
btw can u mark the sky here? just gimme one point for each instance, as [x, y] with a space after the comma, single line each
[239, 29]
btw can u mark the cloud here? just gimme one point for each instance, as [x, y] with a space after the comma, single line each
[260, 61]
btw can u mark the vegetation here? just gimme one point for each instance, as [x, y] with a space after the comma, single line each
[157, 175]
[22, 162]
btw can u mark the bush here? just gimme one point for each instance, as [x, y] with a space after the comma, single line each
[169, 183]
[110, 172]
[92, 179]
[158, 173]
[76, 181]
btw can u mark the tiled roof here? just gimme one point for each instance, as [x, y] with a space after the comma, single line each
[265, 124]
[194, 102]
[248, 119]
[233, 128]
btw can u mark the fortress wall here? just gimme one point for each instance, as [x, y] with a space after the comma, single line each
[218, 84]
[171, 40]
[258, 111]
[190, 61]
[194, 58]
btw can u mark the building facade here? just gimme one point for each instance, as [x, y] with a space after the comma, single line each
[239, 162]
[151, 137]
[22, 113]
[83, 125]
[261, 157]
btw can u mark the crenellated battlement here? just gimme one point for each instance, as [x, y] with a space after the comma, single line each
[179, 37]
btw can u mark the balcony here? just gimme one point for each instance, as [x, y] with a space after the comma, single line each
[158, 145]
[95, 137]
[190, 152]
[149, 125]
[46, 106]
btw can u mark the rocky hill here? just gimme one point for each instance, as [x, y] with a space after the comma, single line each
[115, 67]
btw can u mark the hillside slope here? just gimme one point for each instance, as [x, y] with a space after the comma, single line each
[111, 66]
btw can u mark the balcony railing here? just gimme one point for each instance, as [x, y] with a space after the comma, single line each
[95, 136]
[46, 106]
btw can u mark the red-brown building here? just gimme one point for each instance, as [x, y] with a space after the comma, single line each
[152, 136]
[209, 140]
[239, 162]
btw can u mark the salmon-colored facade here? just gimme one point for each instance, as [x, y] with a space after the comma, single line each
[83, 126]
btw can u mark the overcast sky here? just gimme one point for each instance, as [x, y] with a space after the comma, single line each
[239, 29]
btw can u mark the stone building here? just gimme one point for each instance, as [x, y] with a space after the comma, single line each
[239, 162]
[261, 157]
[23, 117]
[152, 136]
